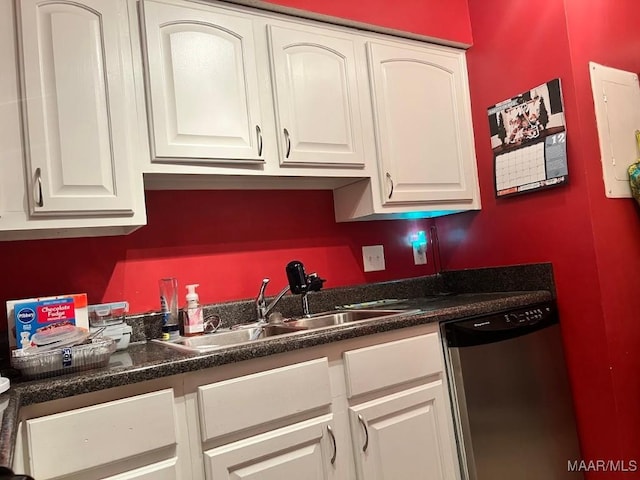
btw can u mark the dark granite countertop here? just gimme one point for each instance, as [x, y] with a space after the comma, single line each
[149, 360]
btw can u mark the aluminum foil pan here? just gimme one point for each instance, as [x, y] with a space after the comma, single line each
[34, 365]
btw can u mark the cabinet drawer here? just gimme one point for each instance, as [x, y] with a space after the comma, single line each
[97, 435]
[380, 366]
[253, 400]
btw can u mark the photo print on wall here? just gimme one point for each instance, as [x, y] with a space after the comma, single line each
[529, 138]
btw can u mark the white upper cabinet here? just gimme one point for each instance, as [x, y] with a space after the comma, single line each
[422, 124]
[235, 92]
[317, 100]
[76, 72]
[202, 84]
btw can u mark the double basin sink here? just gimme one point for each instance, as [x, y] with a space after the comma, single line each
[254, 332]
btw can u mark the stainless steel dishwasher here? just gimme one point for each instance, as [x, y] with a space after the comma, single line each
[510, 394]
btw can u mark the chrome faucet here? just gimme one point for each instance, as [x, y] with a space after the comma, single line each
[262, 309]
[299, 283]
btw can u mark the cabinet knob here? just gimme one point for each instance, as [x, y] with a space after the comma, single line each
[391, 180]
[38, 178]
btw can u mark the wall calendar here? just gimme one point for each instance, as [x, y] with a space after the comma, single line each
[528, 138]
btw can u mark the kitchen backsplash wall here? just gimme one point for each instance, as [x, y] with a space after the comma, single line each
[227, 241]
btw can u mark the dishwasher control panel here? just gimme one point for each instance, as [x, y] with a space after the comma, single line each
[500, 326]
[531, 315]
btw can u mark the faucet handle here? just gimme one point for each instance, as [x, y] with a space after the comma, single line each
[263, 287]
[261, 303]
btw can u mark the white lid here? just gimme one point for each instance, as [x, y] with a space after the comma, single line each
[63, 334]
[192, 295]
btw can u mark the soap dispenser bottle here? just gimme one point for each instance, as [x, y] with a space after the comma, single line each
[193, 317]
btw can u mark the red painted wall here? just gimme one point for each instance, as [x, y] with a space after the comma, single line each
[591, 241]
[608, 33]
[227, 241]
[442, 19]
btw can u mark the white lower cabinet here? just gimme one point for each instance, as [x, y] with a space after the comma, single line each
[373, 407]
[399, 413]
[404, 435]
[302, 450]
[370, 408]
[135, 437]
[166, 470]
[273, 424]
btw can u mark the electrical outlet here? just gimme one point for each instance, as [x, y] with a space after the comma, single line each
[418, 242]
[419, 253]
[373, 258]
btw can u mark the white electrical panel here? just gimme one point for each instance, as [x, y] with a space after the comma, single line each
[616, 95]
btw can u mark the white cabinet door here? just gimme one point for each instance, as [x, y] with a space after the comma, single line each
[303, 450]
[203, 83]
[76, 73]
[166, 470]
[404, 435]
[100, 435]
[422, 124]
[317, 100]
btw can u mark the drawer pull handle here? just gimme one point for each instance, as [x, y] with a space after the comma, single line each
[335, 447]
[259, 134]
[288, 140]
[366, 433]
[39, 199]
[391, 180]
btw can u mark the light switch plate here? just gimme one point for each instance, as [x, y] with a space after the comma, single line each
[373, 258]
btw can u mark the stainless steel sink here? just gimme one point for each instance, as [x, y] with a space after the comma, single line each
[225, 338]
[339, 317]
